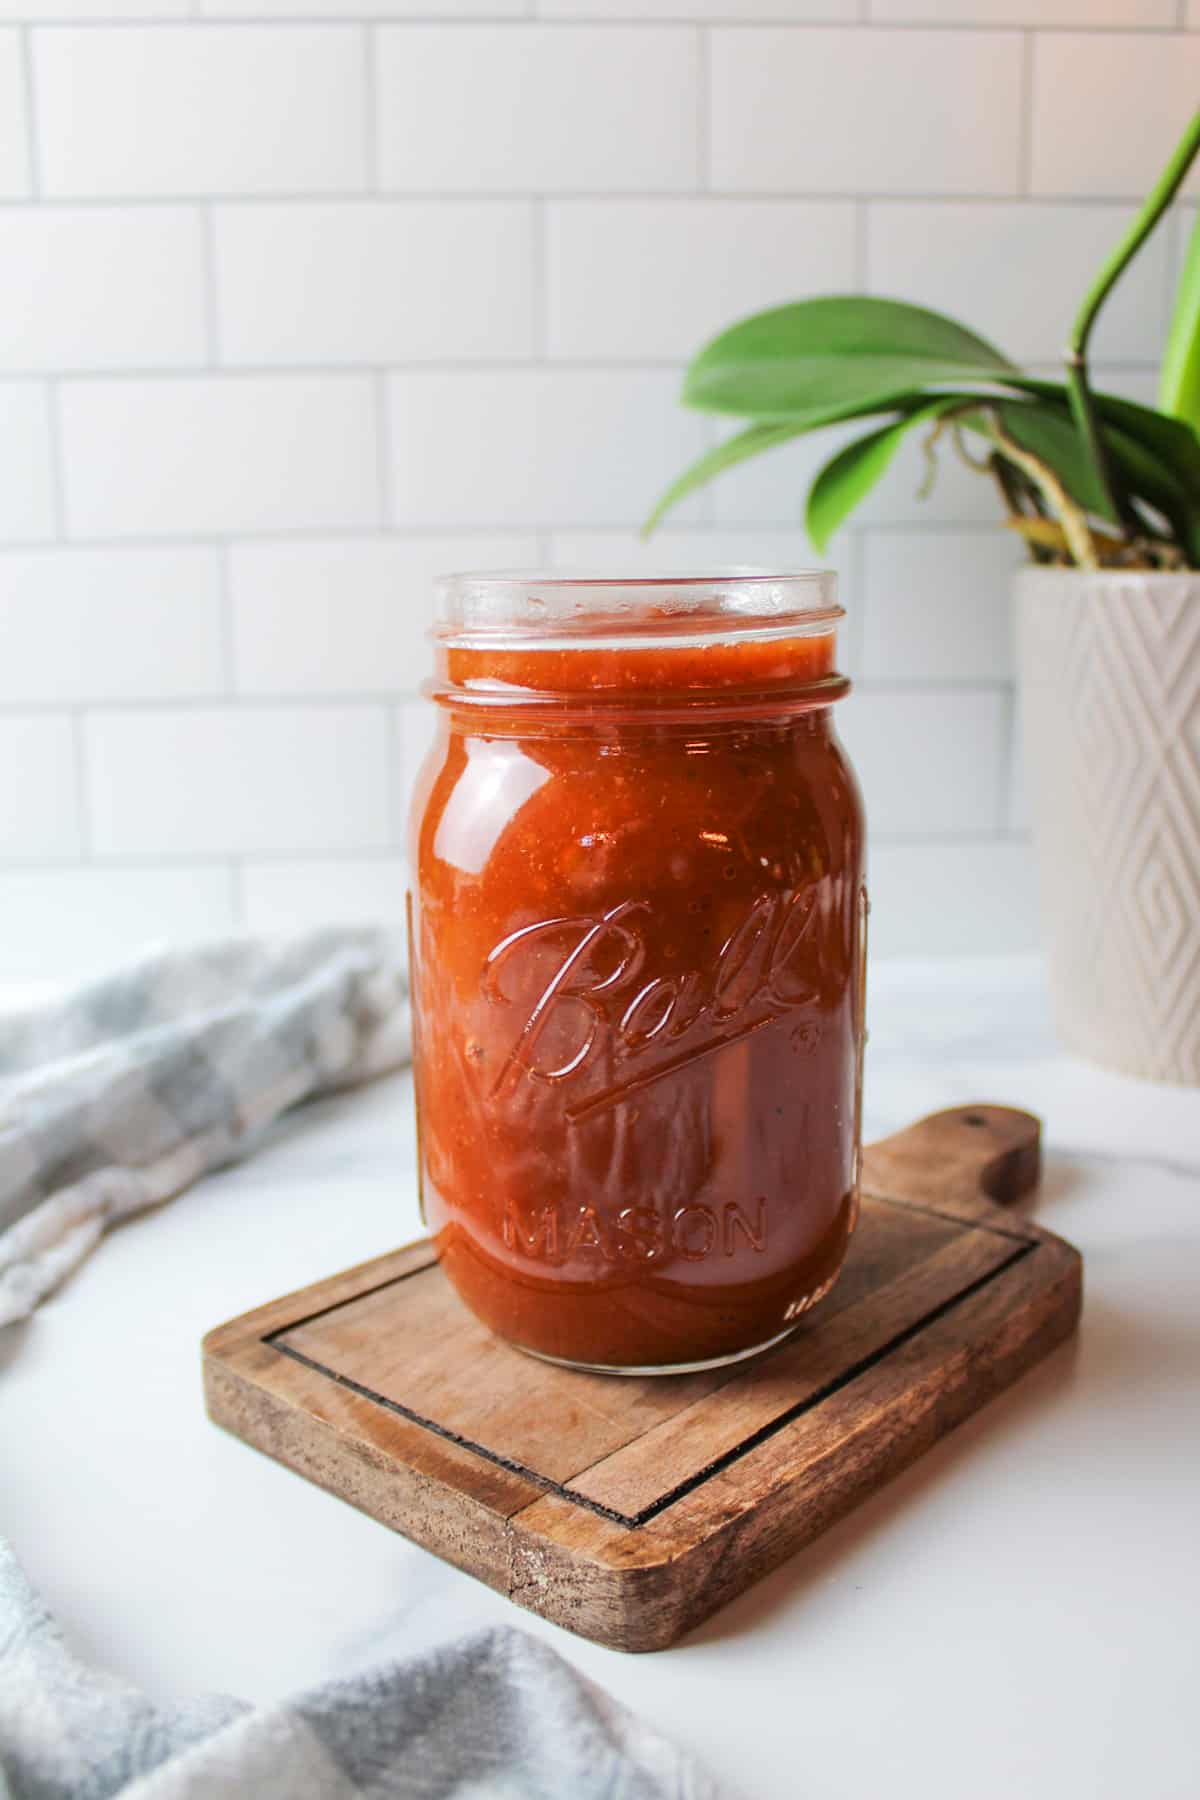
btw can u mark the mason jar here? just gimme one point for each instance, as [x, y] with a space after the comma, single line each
[637, 926]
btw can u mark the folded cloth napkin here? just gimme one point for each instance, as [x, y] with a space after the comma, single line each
[496, 1715]
[123, 1093]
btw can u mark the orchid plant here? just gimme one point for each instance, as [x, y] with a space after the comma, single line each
[1089, 479]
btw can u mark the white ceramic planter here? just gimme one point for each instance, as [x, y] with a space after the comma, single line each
[1110, 691]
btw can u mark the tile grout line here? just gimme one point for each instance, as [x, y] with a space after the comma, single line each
[421, 531]
[857, 634]
[383, 449]
[417, 531]
[227, 624]
[704, 149]
[212, 311]
[82, 792]
[146, 862]
[705, 499]
[1174, 239]
[396, 776]
[149, 862]
[506, 196]
[32, 135]
[540, 250]
[567, 24]
[861, 246]
[371, 145]
[344, 373]
[58, 484]
[1007, 748]
[924, 688]
[1025, 144]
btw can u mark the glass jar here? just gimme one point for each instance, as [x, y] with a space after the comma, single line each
[637, 935]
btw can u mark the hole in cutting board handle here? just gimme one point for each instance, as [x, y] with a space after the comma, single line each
[973, 1155]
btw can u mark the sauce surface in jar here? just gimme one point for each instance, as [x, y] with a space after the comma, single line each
[637, 936]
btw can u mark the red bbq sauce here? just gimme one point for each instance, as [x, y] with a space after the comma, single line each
[637, 931]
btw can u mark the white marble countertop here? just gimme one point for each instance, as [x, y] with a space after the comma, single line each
[1015, 1615]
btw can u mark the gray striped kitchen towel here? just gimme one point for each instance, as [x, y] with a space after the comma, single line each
[119, 1095]
[495, 1716]
[112, 1100]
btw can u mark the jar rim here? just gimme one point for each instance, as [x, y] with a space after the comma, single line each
[555, 604]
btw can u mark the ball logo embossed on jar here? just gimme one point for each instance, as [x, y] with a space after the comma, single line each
[593, 1007]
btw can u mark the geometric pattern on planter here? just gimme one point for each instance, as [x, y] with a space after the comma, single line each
[1110, 674]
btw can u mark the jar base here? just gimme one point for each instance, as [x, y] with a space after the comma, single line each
[679, 1368]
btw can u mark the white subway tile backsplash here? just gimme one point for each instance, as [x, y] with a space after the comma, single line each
[363, 282]
[794, 11]
[26, 463]
[703, 548]
[39, 792]
[937, 606]
[1146, 13]
[952, 900]
[230, 780]
[15, 172]
[200, 109]
[1108, 108]
[536, 446]
[929, 762]
[68, 925]
[700, 264]
[303, 894]
[78, 625]
[810, 111]
[1017, 272]
[368, 9]
[51, 12]
[346, 615]
[213, 454]
[260, 259]
[141, 269]
[493, 109]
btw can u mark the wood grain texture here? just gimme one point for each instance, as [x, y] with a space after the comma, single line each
[629, 1509]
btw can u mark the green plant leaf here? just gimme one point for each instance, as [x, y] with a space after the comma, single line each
[1173, 444]
[1179, 381]
[1047, 428]
[1148, 477]
[1172, 441]
[764, 435]
[848, 477]
[846, 350]
[751, 442]
[1053, 437]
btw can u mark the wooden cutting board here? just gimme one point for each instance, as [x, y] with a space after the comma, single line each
[629, 1509]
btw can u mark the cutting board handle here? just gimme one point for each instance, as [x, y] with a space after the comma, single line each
[966, 1159]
